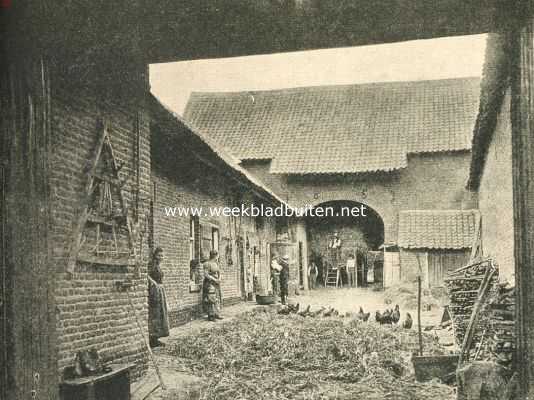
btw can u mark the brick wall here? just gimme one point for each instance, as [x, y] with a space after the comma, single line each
[495, 198]
[90, 311]
[203, 187]
[431, 181]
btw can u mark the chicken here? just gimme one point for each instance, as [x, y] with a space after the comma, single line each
[293, 308]
[318, 312]
[362, 315]
[386, 317]
[328, 313]
[378, 317]
[306, 312]
[408, 322]
[284, 311]
[395, 316]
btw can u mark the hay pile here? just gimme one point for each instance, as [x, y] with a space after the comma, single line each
[267, 356]
[405, 296]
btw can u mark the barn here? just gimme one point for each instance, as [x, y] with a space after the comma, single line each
[389, 147]
[436, 241]
[74, 81]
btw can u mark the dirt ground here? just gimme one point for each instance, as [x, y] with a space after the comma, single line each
[350, 299]
[343, 299]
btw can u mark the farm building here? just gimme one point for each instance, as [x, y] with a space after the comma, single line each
[190, 171]
[73, 88]
[437, 241]
[491, 165]
[388, 146]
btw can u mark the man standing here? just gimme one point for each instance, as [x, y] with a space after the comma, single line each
[351, 270]
[158, 317]
[334, 247]
[312, 272]
[211, 288]
[275, 275]
[284, 279]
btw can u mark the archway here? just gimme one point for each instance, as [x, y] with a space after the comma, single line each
[360, 230]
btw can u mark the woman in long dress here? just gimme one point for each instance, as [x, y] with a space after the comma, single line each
[211, 288]
[158, 315]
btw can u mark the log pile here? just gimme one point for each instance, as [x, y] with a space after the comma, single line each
[463, 287]
[503, 323]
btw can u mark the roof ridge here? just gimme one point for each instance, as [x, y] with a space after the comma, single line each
[341, 128]
[429, 211]
[219, 150]
[336, 86]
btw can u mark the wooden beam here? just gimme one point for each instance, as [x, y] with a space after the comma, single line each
[184, 29]
[26, 131]
[522, 112]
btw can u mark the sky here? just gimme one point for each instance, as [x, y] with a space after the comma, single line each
[442, 58]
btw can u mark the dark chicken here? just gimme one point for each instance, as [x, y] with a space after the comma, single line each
[395, 316]
[305, 313]
[386, 317]
[363, 316]
[408, 322]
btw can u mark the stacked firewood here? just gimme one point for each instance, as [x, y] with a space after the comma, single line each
[503, 321]
[463, 287]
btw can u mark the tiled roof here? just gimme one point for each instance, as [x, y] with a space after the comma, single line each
[179, 129]
[340, 129]
[437, 229]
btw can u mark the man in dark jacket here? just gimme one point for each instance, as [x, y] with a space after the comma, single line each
[284, 279]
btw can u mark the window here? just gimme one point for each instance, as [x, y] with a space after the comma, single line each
[202, 239]
[192, 231]
[215, 238]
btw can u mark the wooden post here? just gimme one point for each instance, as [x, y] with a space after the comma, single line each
[25, 131]
[522, 111]
[419, 329]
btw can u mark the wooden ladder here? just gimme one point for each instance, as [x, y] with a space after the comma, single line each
[332, 278]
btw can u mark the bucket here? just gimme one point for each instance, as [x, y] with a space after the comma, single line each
[430, 367]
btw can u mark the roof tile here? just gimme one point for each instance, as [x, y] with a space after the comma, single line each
[437, 229]
[340, 129]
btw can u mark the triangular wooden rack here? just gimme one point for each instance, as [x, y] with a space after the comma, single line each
[84, 213]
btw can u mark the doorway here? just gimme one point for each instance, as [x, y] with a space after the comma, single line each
[3, 292]
[302, 273]
[241, 261]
